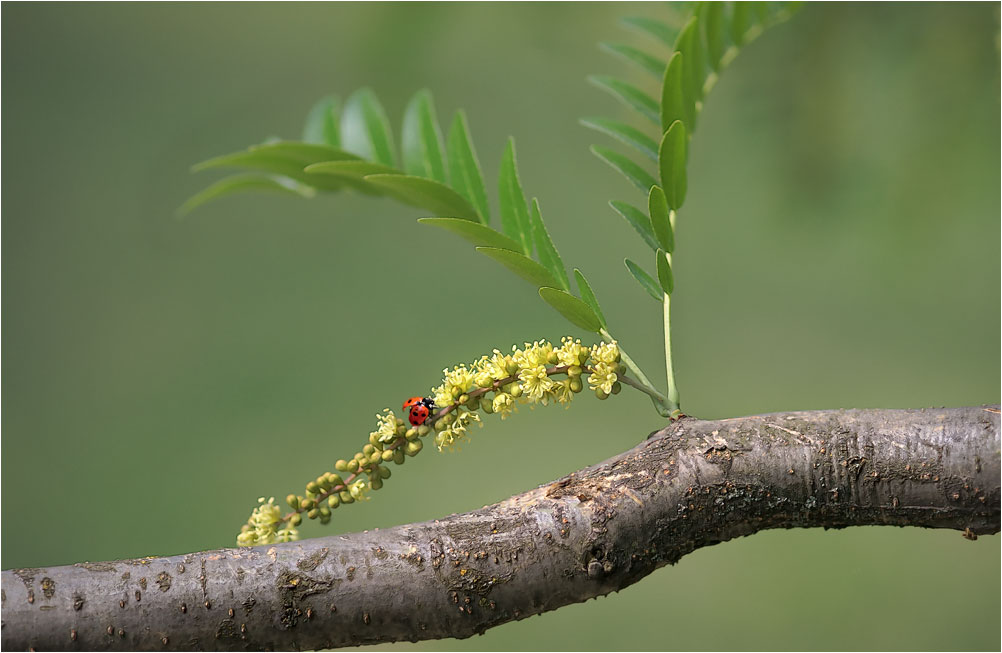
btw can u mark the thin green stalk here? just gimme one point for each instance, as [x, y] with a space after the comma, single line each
[642, 383]
[670, 369]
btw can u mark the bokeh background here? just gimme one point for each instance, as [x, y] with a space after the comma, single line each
[839, 248]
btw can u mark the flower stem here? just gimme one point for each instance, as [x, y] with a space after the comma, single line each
[661, 403]
[673, 404]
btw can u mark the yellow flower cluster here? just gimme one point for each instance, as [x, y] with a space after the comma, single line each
[262, 527]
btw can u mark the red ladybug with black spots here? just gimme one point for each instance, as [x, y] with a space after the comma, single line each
[420, 409]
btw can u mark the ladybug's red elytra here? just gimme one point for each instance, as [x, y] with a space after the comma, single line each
[420, 409]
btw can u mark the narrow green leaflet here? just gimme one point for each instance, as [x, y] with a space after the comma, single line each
[675, 104]
[671, 159]
[637, 220]
[422, 140]
[355, 169]
[545, 250]
[657, 207]
[588, 295]
[651, 64]
[716, 32]
[322, 122]
[637, 175]
[521, 265]
[365, 129]
[478, 234]
[664, 33]
[285, 158]
[740, 22]
[624, 134]
[645, 280]
[243, 183]
[576, 311]
[665, 277]
[424, 193]
[514, 214]
[629, 95]
[691, 46]
[464, 168]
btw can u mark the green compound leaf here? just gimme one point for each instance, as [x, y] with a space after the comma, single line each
[285, 158]
[426, 194]
[653, 65]
[645, 280]
[715, 26]
[657, 207]
[576, 311]
[365, 129]
[521, 265]
[588, 295]
[422, 140]
[624, 165]
[664, 33]
[514, 214]
[629, 95]
[243, 183]
[671, 160]
[637, 220]
[545, 250]
[665, 277]
[478, 234]
[624, 134]
[675, 104]
[322, 122]
[464, 168]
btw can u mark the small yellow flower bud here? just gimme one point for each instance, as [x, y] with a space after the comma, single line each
[412, 448]
[411, 433]
[368, 449]
[376, 457]
[387, 455]
[333, 501]
[401, 430]
[400, 422]
[313, 514]
[341, 465]
[346, 497]
[325, 519]
[353, 466]
[552, 358]
[440, 424]
[322, 483]
[423, 430]
[295, 520]
[463, 398]
[516, 390]
[576, 384]
[311, 487]
[324, 510]
[574, 370]
[293, 501]
[306, 504]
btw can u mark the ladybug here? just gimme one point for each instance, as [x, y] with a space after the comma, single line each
[420, 409]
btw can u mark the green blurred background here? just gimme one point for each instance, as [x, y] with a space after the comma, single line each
[839, 248]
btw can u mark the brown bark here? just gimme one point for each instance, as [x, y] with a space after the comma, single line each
[598, 530]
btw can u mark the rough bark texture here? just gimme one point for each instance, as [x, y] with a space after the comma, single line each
[597, 530]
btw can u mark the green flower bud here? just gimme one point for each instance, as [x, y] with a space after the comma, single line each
[616, 387]
[324, 510]
[487, 405]
[621, 370]
[576, 385]
[387, 455]
[373, 439]
[412, 448]
[411, 434]
[384, 472]
[516, 390]
[325, 519]
[359, 455]
[333, 501]
[423, 430]
[336, 479]
[368, 449]
[574, 371]
[341, 465]
[295, 520]
[353, 466]
[473, 403]
[398, 456]
[400, 422]
[376, 483]
[376, 457]
[601, 394]
[440, 424]
[463, 398]
[512, 367]
[306, 504]
[311, 487]
[401, 430]
[293, 501]
[322, 483]
[346, 497]
[313, 514]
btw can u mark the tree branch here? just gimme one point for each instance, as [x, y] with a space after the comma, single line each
[598, 530]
